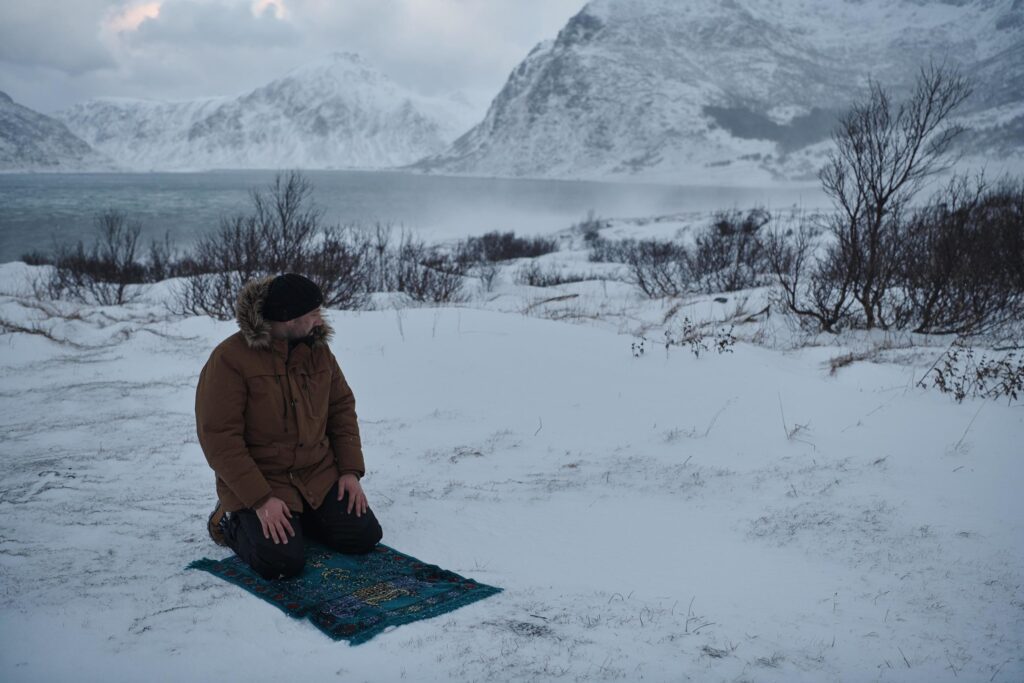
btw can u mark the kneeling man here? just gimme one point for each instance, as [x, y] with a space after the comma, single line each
[277, 423]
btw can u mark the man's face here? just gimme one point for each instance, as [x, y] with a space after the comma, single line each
[299, 328]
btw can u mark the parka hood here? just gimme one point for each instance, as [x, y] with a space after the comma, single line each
[249, 315]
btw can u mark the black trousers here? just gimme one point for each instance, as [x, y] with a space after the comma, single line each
[329, 524]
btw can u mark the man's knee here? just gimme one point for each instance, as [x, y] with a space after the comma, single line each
[372, 534]
[270, 560]
[280, 561]
[355, 537]
[283, 569]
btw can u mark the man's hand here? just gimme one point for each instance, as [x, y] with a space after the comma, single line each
[274, 516]
[349, 483]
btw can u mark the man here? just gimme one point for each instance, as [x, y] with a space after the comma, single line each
[277, 423]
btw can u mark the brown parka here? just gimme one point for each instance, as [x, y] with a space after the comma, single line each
[273, 421]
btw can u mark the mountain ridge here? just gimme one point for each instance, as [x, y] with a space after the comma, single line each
[653, 89]
[31, 141]
[337, 112]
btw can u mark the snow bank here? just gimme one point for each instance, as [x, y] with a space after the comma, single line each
[734, 517]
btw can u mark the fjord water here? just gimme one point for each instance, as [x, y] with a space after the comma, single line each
[38, 209]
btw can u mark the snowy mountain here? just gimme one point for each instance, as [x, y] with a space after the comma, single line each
[336, 113]
[30, 141]
[706, 90]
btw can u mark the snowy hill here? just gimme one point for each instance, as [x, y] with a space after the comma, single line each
[744, 90]
[336, 113]
[747, 516]
[30, 141]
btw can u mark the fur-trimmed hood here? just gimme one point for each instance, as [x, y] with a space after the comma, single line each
[255, 329]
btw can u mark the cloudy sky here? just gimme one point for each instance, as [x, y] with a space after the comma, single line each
[57, 52]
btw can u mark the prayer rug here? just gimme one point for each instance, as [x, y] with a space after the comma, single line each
[355, 597]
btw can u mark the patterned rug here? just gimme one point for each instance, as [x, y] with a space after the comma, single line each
[355, 597]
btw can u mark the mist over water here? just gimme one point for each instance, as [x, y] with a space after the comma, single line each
[37, 209]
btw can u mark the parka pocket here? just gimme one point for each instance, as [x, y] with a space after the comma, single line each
[269, 459]
[316, 386]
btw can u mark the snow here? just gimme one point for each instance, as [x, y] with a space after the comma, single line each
[744, 516]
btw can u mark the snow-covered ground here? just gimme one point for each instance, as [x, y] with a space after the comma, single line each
[738, 517]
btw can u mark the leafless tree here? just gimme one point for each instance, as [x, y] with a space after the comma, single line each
[285, 219]
[882, 155]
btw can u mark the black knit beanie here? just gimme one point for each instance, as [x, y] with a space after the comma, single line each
[291, 296]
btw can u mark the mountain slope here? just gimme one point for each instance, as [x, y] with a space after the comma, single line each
[695, 90]
[337, 113]
[30, 141]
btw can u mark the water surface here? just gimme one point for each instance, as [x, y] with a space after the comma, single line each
[36, 209]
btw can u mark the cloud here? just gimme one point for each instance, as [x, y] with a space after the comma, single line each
[186, 23]
[129, 18]
[176, 49]
[59, 35]
[279, 9]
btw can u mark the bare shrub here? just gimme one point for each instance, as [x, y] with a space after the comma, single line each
[283, 233]
[961, 267]
[960, 373]
[610, 251]
[816, 289]
[224, 262]
[488, 274]
[36, 258]
[428, 273]
[658, 268]
[535, 275]
[503, 246]
[164, 262]
[340, 263]
[107, 272]
[589, 228]
[729, 254]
